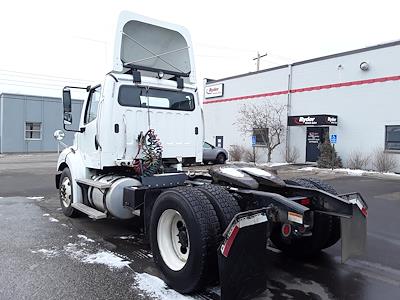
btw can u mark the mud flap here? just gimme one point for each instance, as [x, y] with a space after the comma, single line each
[354, 234]
[242, 256]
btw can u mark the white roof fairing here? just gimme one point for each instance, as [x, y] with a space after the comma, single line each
[150, 43]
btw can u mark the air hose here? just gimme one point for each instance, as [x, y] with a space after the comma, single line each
[150, 146]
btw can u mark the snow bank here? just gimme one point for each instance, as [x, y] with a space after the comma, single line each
[154, 287]
[351, 172]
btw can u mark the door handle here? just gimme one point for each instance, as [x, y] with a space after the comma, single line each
[196, 130]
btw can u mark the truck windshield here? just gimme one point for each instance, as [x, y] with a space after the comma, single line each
[155, 98]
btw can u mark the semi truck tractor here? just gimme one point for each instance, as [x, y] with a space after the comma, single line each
[136, 130]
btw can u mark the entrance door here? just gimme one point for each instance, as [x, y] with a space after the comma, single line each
[315, 137]
[219, 141]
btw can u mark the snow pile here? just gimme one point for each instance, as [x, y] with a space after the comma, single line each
[51, 219]
[278, 164]
[102, 257]
[106, 258]
[351, 172]
[154, 287]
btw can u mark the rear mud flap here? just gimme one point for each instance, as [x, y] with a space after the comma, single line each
[354, 234]
[242, 256]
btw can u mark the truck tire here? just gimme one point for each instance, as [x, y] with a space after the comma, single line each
[335, 234]
[183, 237]
[306, 246]
[66, 194]
[225, 205]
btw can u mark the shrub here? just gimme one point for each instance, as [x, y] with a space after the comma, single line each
[250, 155]
[358, 160]
[292, 155]
[236, 152]
[328, 157]
[384, 162]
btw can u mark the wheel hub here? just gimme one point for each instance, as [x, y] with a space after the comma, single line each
[66, 192]
[173, 239]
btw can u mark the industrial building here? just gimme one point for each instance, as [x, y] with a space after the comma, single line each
[353, 96]
[27, 123]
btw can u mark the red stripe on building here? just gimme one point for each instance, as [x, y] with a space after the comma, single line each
[308, 89]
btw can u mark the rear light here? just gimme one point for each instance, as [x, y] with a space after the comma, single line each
[305, 202]
[364, 211]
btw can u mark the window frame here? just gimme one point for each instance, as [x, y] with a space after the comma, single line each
[258, 144]
[157, 89]
[33, 130]
[89, 104]
[386, 139]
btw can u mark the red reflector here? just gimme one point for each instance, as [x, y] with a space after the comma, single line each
[230, 240]
[364, 211]
[305, 202]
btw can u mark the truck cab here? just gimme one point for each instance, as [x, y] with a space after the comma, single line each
[152, 86]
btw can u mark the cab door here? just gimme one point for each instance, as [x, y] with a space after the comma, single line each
[88, 142]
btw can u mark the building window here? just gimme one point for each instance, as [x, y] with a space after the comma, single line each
[392, 141]
[33, 131]
[261, 135]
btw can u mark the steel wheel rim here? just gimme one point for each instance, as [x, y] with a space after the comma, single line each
[173, 239]
[66, 192]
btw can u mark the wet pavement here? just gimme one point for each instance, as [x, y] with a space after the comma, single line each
[45, 255]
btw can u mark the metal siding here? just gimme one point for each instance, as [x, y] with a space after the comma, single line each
[13, 124]
[19, 109]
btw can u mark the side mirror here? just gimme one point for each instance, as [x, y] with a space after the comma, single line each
[67, 105]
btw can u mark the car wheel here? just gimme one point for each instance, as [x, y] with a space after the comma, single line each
[221, 158]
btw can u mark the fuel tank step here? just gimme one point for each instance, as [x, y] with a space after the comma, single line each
[91, 212]
[97, 184]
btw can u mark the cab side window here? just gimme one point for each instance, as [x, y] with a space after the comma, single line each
[92, 105]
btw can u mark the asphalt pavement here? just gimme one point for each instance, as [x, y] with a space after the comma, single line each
[45, 255]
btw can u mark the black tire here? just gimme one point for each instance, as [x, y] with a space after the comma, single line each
[68, 210]
[225, 205]
[221, 158]
[335, 232]
[306, 246]
[202, 226]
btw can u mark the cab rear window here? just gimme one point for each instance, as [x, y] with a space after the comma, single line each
[135, 96]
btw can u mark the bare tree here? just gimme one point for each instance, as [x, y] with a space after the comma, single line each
[267, 119]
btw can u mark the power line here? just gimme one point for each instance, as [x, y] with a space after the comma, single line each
[43, 75]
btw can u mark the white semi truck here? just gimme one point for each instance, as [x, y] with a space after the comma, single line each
[135, 131]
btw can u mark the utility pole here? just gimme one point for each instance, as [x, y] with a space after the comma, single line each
[258, 58]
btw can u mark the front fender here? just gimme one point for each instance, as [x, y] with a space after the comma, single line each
[72, 159]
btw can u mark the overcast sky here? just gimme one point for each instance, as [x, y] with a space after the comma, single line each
[69, 40]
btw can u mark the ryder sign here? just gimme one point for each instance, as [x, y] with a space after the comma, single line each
[215, 90]
[330, 120]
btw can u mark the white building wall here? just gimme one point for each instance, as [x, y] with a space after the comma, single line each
[364, 101]
[221, 117]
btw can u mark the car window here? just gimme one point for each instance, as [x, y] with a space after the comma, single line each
[207, 146]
